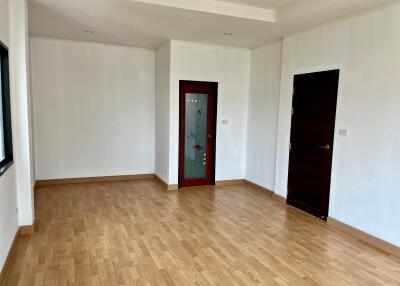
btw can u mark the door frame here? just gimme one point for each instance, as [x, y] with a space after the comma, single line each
[325, 199]
[203, 87]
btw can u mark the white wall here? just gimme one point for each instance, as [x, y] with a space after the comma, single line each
[265, 76]
[365, 189]
[230, 67]
[163, 73]
[21, 101]
[93, 109]
[8, 187]
[8, 206]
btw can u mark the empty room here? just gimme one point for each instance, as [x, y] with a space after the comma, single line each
[199, 142]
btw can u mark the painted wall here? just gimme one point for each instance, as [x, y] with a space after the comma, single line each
[265, 76]
[230, 67]
[8, 215]
[93, 109]
[8, 186]
[163, 73]
[22, 106]
[365, 189]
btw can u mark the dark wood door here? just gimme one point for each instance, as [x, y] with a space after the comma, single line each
[197, 131]
[312, 134]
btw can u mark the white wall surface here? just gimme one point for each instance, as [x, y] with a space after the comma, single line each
[365, 189]
[163, 73]
[8, 187]
[230, 67]
[8, 206]
[22, 105]
[265, 76]
[93, 109]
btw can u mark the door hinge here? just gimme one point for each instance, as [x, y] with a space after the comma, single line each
[290, 146]
[292, 110]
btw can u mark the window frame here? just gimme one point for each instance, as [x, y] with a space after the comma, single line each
[6, 106]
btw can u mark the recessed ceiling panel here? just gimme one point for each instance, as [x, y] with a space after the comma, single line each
[132, 23]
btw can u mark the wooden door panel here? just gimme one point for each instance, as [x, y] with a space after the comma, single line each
[307, 190]
[197, 133]
[312, 134]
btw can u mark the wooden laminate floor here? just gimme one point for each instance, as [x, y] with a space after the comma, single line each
[134, 233]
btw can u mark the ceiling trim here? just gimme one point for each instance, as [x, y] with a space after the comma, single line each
[219, 8]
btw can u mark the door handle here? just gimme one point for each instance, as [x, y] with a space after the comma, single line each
[325, 147]
[209, 136]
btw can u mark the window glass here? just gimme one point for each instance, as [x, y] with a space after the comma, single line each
[6, 152]
[2, 152]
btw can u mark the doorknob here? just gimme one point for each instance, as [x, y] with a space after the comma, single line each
[209, 136]
[324, 147]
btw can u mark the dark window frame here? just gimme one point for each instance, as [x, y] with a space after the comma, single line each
[6, 105]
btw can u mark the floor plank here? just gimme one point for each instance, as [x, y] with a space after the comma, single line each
[135, 233]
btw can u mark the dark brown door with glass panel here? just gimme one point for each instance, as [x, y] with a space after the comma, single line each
[312, 134]
[197, 130]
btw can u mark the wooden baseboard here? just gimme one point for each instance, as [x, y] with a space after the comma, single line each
[28, 229]
[172, 187]
[160, 180]
[279, 199]
[168, 187]
[86, 180]
[265, 191]
[175, 187]
[229, 182]
[22, 230]
[268, 192]
[365, 237]
[11, 252]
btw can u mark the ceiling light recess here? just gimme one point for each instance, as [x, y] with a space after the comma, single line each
[90, 30]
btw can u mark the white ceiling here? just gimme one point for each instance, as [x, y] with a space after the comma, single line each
[149, 23]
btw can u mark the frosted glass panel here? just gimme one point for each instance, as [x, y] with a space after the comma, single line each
[195, 135]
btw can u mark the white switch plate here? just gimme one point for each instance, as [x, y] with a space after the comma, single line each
[343, 132]
[224, 122]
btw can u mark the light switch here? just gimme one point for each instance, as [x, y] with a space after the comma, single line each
[343, 132]
[224, 122]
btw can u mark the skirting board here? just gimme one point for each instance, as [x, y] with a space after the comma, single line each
[217, 183]
[28, 229]
[265, 191]
[7, 264]
[229, 182]
[41, 183]
[22, 230]
[168, 187]
[279, 199]
[172, 187]
[268, 192]
[365, 237]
